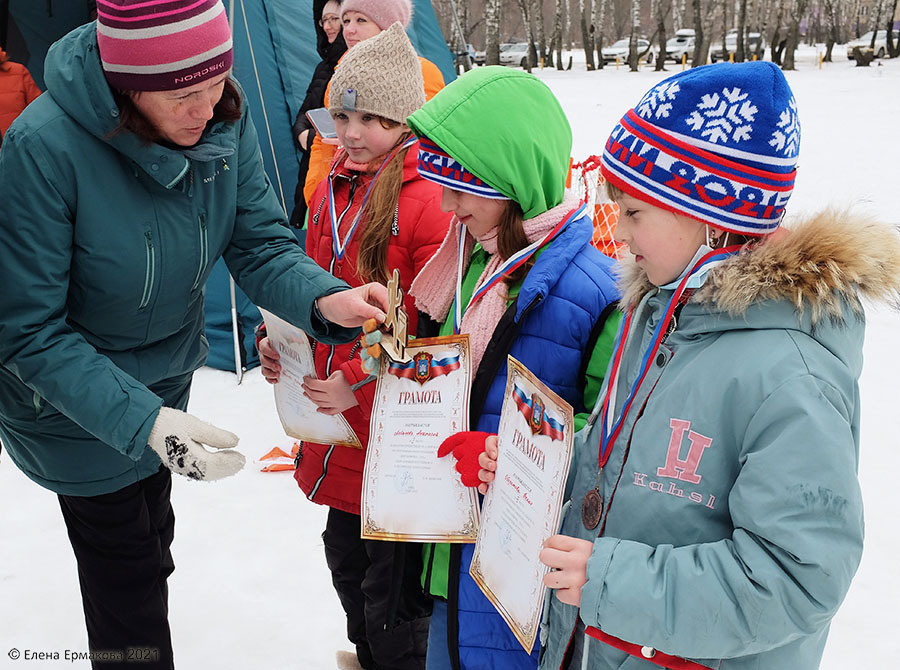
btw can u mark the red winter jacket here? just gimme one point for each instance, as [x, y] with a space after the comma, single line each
[328, 474]
[17, 90]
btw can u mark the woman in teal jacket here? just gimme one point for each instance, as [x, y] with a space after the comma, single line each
[120, 188]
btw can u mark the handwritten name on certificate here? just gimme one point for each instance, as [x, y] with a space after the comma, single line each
[523, 504]
[408, 492]
[298, 414]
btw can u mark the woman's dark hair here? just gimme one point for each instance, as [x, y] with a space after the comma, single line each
[228, 109]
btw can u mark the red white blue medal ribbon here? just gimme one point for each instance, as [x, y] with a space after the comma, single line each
[340, 247]
[609, 429]
[509, 266]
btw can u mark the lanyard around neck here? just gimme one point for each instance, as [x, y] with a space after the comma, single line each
[340, 247]
[609, 429]
[506, 268]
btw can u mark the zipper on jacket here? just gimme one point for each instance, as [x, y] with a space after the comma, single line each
[204, 249]
[150, 271]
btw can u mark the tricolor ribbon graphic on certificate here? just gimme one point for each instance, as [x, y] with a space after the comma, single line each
[424, 366]
[540, 422]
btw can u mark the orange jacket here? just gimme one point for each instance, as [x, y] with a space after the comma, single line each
[17, 90]
[321, 154]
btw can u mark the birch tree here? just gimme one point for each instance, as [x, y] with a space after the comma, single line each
[701, 44]
[556, 37]
[798, 10]
[492, 32]
[635, 33]
[660, 10]
[587, 39]
[600, 7]
[739, 55]
[832, 9]
[893, 48]
[776, 46]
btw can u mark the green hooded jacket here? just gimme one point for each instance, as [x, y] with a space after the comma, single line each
[106, 244]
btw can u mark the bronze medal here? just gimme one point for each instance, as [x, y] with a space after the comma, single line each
[591, 509]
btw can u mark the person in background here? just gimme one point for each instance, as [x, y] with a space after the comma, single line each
[17, 91]
[121, 187]
[716, 517]
[331, 46]
[532, 287]
[377, 215]
[361, 20]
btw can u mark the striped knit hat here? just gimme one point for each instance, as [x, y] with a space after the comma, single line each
[438, 166]
[717, 143]
[162, 45]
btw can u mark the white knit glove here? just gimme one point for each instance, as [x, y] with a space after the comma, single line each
[178, 438]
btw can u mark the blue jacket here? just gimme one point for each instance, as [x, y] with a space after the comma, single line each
[106, 243]
[549, 329]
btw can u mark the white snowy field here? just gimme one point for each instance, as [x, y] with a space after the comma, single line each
[251, 589]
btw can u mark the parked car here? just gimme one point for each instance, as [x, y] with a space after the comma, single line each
[480, 57]
[754, 42]
[681, 45]
[515, 54]
[865, 42]
[619, 49]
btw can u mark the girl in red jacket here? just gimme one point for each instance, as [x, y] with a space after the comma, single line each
[373, 214]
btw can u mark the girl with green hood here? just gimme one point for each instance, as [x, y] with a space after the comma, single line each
[531, 285]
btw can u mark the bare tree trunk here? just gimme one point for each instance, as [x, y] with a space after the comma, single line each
[524, 7]
[537, 21]
[893, 49]
[556, 37]
[739, 55]
[798, 9]
[492, 32]
[775, 44]
[635, 33]
[832, 33]
[879, 8]
[724, 6]
[701, 45]
[587, 38]
[662, 10]
[678, 9]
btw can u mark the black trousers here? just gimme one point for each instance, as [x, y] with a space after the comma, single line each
[378, 586]
[121, 542]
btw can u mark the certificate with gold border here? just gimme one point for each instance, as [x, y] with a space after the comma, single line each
[523, 505]
[408, 492]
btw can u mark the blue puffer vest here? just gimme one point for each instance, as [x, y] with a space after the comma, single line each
[559, 304]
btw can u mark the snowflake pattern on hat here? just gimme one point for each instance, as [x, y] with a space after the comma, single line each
[724, 117]
[658, 102]
[786, 137]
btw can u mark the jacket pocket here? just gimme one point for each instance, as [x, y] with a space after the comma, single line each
[149, 270]
[204, 249]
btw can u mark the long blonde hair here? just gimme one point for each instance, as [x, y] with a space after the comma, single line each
[379, 214]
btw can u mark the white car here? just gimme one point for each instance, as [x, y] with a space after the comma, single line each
[681, 45]
[865, 43]
[716, 53]
[514, 54]
[619, 49]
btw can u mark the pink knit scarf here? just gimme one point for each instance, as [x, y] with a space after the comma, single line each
[434, 288]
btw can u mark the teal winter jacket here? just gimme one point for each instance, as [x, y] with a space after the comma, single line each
[105, 245]
[732, 516]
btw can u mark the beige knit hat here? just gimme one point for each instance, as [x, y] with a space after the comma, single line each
[381, 75]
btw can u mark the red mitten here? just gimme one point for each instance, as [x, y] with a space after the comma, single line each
[466, 448]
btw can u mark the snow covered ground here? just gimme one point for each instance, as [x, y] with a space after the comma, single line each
[251, 589]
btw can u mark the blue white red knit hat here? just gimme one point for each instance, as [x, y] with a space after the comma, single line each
[717, 143]
[162, 45]
[438, 166]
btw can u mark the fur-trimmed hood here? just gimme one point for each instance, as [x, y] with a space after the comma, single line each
[819, 265]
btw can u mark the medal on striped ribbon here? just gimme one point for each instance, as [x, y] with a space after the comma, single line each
[340, 247]
[506, 268]
[592, 505]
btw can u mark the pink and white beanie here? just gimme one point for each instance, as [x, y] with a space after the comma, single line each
[719, 143]
[162, 45]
